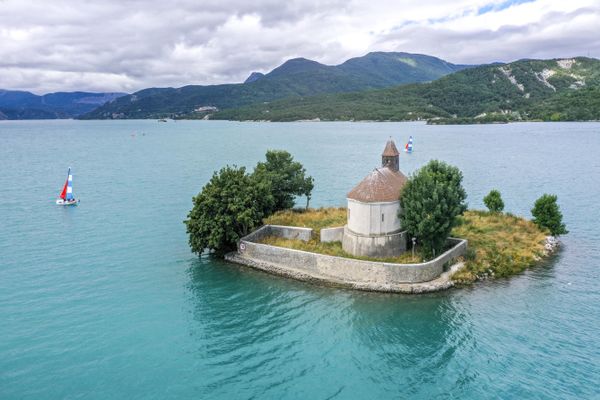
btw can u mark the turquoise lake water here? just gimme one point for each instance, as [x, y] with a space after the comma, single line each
[105, 300]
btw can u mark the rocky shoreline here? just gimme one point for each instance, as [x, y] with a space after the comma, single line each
[551, 246]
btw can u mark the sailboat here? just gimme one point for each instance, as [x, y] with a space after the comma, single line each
[66, 196]
[409, 146]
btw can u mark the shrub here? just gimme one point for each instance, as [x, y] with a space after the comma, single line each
[547, 215]
[470, 254]
[430, 202]
[493, 201]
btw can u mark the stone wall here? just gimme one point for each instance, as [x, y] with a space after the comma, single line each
[369, 275]
[332, 234]
[259, 234]
[291, 232]
[374, 246]
[286, 232]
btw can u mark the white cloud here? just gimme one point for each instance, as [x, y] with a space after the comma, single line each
[128, 45]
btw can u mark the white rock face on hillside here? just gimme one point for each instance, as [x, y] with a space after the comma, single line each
[577, 84]
[566, 63]
[544, 75]
[508, 73]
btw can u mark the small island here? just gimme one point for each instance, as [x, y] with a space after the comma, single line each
[397, 234]
[499, 244]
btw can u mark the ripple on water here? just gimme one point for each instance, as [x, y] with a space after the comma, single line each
[106, 301]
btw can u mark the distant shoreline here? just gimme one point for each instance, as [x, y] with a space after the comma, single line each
[316, 120]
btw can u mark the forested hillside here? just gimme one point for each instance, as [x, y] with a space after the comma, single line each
[296, 77]
[17, 104]
[522, 90]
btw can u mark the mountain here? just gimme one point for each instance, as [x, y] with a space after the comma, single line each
[558, 89]
[295, 78]
[390, 69]
[25, 105]
[254, 77]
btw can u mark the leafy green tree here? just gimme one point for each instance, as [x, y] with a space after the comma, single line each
[287, 177]
[430, 202]
[230, 206]
[547, 215]
[493, 201]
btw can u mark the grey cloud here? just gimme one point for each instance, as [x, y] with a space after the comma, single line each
[138, 38]
[508, 43]
[132, 44]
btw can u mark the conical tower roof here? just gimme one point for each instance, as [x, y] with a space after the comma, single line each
[390, 149]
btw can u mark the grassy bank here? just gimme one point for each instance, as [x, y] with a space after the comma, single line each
[315, 218]
[499, 244]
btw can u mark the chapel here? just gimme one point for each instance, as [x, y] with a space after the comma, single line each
[373, 227]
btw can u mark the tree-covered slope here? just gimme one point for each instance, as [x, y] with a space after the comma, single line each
[522, 90]
[16, 104]
[296, 77]
[390, 69]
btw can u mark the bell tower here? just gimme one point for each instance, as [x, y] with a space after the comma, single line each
[390, 156]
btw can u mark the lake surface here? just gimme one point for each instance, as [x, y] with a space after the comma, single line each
[105, 300]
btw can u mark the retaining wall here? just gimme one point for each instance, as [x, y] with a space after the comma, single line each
[332, 234]
[391, 245]
[286, 232]
[341, 270]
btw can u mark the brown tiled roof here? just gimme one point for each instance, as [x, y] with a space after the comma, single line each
[390, 149]
[381, 185]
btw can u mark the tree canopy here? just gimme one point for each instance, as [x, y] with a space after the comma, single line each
[287, 177]
[430, 202]
[234, 202]
[230, 206]
[547, 215]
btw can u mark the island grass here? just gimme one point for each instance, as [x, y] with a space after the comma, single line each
[499, 245]
[315, 218]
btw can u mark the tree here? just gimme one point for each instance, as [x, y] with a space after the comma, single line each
[287, 177]
[230, 205]
[547, 215]
[493, 201]
[430, 202]
[308, 186]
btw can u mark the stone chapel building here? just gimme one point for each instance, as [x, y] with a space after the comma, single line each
[373, 228]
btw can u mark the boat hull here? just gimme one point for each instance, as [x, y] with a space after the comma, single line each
[61, 202]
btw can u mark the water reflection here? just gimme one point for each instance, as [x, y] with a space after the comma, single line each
[251, 327]
[261, 336]
[413, 339]
[264, 332]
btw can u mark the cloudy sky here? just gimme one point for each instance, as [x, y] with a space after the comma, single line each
[127, 45]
